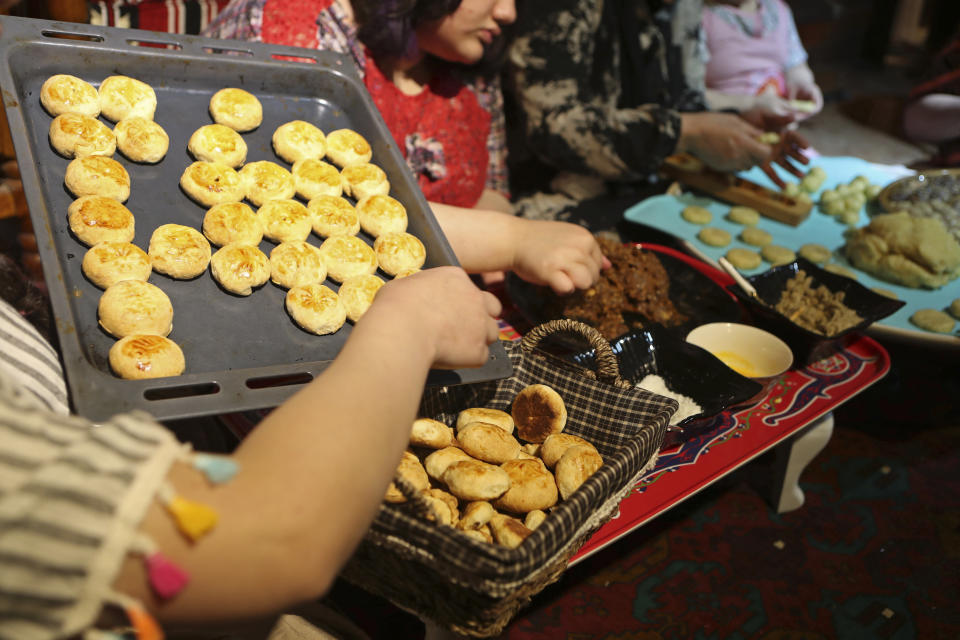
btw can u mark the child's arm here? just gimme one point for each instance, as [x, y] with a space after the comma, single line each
[314, 471]
[801, 87]
[561, 255]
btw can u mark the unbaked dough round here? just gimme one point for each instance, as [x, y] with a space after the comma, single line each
[743, 259]
[777, 255]
[714, 237]
[933, 320]
[697, 215]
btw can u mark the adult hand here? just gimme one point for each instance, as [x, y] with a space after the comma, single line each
[785, 153]
[561, 255]
[723, 141]
[455, 319]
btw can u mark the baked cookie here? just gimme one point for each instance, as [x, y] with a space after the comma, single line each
[933, 320]
[538, 411]
[574, 467]
[476, 480]
[313, 178]
[178, 251]
[427, 432]
[97, 176]
[488, 442]
[231, 222]
[347, 256]
[346, 147]
[218, 143]
[108, 263]
[285, 220]
[411, 470]
[141, 140]
[398, 252]
[777, 255]
[508, 532]
[238, 109]
[556, 445]
[744, 259]
[123, 97]
[240, 268]
[63, 93]
[532, 487]
[298, 140]
[364, 180]
[747, 216]
[133, 306]
[73, 135]
[756, 237]
[316, 308]
[696, 215]
[382, 214]
[143, 356]
[436, 463]
[95, 219]
[294, 264]
[357, 293]
[496, 417]
[714, 237]
[265, 180]
[210, 183]
[333, 216]
[815, 253]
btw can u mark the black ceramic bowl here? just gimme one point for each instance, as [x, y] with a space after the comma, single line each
[809, 346]
[686, 369]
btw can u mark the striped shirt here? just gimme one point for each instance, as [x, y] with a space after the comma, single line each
[31, 360]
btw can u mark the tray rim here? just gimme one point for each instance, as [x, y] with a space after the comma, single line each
[85, 380]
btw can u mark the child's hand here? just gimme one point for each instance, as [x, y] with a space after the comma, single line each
[445, 309]
[803, 89]
[561, 255]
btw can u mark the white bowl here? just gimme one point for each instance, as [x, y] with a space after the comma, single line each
[751, 352]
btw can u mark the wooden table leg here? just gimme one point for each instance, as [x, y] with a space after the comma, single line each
[792, 457]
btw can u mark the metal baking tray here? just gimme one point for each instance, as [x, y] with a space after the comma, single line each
[241, 352]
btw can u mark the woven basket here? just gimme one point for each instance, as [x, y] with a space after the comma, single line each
[474, 588]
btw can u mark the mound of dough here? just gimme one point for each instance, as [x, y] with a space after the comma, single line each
[746, 216]
[756, 237]
[714, 237]
[777, 255]
[912, 251]
[744, 259]
[697, 215]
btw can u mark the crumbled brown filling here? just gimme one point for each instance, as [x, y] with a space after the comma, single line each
[816, 309]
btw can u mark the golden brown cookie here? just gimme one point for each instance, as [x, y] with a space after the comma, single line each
[298, 140]
[427, 432]
[577, 463]
[265, 180]
[508, 532]
[123, 97]
[231, 222]
[110, 262]
[555, 445]
[73, 135]
[532, 487]
[179, 251]
[382, 214]
[63, 93]
[240, 268]
[482, 414]
[132, 306]
[397, 252]
[141, 140]
[347, 256]
[285, 220]
[316, 308]
[218, 143]
[364, 180]
[143, 356]
[296, 263]
[357, 294]
[476, 480]
[95, 219]
[437, 462]
[488, 442]
[538, 411]
[238, 109]
[97, 176]
[333, 216]
[313, 178]
[210, 183]
[346, 147]
[411, 470]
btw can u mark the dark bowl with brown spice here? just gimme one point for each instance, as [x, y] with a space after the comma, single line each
[813, 322]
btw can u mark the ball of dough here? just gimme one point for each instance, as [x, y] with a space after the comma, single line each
[756, 237]
[743, 215]
[744, 259]
[238, 109]
[815, 253]
[933, 320]
[697, 215]
[777, 255]
[714, 237]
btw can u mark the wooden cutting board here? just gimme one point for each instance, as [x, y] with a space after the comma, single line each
[691, 172]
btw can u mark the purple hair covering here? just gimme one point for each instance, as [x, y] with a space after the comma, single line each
[388, 27]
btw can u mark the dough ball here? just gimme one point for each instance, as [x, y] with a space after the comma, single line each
[756, 237]
[714, 237]
[697, 215]
[744, 215]
[744, 259]
[933, 320]
[777, 255]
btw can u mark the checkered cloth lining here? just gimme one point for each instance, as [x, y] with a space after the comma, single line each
[626, 425]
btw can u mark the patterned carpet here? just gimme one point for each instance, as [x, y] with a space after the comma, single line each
[874, 552]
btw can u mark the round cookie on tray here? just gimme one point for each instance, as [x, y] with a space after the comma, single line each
[109, 262]
[333, 216]
[124, 97]
[313, 178]
[230, 222]
[238, 109]
[178, 251]
[132, 306]
[218, 143]
[64, 93]
[382, 214]
[364, 180]
[210, 183]
[398, 252]
[297, 263]
[97, 176]
[240, 268]
[346, 147]
[73, 135]
[347, 256]
[95, 219]
[285, 220]
[357, 294]
[143, 356]
[141, 140]
[299, 140]
[315, 308]
[265, 180]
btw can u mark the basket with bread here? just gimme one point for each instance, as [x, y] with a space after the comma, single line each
[505, 480]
